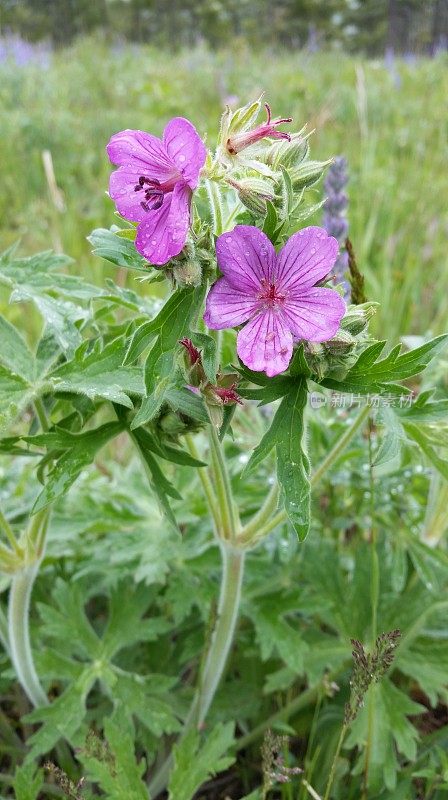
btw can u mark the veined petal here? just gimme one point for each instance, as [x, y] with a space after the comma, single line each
[163, 232]
[122, 184]
[246, 258]
[143, 152]
[226, 307]
[265, 343]
[314, 316]
[185, 148]
[153, 239]
[307, 257]
[179, 217]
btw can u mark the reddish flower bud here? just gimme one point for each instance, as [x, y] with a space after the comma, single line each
[193, 353]
[227, 395]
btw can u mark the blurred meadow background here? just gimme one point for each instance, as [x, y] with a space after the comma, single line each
[369, 78]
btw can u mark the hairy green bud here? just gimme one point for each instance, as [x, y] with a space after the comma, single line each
[357, 317]
[343, 342]
[288, 154]
[254, 193]
[307, 174]
[188, 273]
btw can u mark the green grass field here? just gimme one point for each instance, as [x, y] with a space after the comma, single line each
[394, 137]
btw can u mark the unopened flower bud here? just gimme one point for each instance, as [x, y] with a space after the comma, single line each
[357, 317]
[192, 352]
[253, 193]
[343, 342]
[188, 273]
[221, 395]
[289, 154]
[193, 363]
[307, 174]
[172, 424]
[316, 358]
[227, 396]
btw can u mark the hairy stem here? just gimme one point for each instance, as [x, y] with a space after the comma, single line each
[229, 602]
[250, 531]
[41, 413]
[228, 605]
[215, 207]
[340, 445]
[226, 508]
[205, 480]
[9, 533]
[18, 634]
[19, 637]
[221, 642]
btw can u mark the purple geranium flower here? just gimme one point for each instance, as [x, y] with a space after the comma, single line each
[275, 294]
[154, 184]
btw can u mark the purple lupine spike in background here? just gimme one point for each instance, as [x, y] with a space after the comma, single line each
[21, 53]
[335, 216]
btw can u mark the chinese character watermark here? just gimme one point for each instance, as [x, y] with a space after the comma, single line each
[356, 399]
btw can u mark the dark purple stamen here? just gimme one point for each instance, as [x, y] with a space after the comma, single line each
[153, 194]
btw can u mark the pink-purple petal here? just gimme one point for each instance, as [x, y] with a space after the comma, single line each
[315, 316]
[143, 152]
[226, 307]
[185, 149]
[153, 239]
[180, 216]
[246, 257]
[163, 233]
[306, 258]
[122, 184]
[265, 343]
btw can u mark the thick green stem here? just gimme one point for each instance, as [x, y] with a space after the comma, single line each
[205, 480]
[250, 531]
[226, 507]
[18, 634]
[19, 637]
[37, 531]
[9, 533]
[222, 638]
[340, 445]
[41, 413]
[221, 642]
[322, 469]
[229, 600]
[215, 206]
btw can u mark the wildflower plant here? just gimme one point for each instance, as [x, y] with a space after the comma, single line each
[251, 316]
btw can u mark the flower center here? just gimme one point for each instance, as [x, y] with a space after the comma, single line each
[154, 191]
[270, 296]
